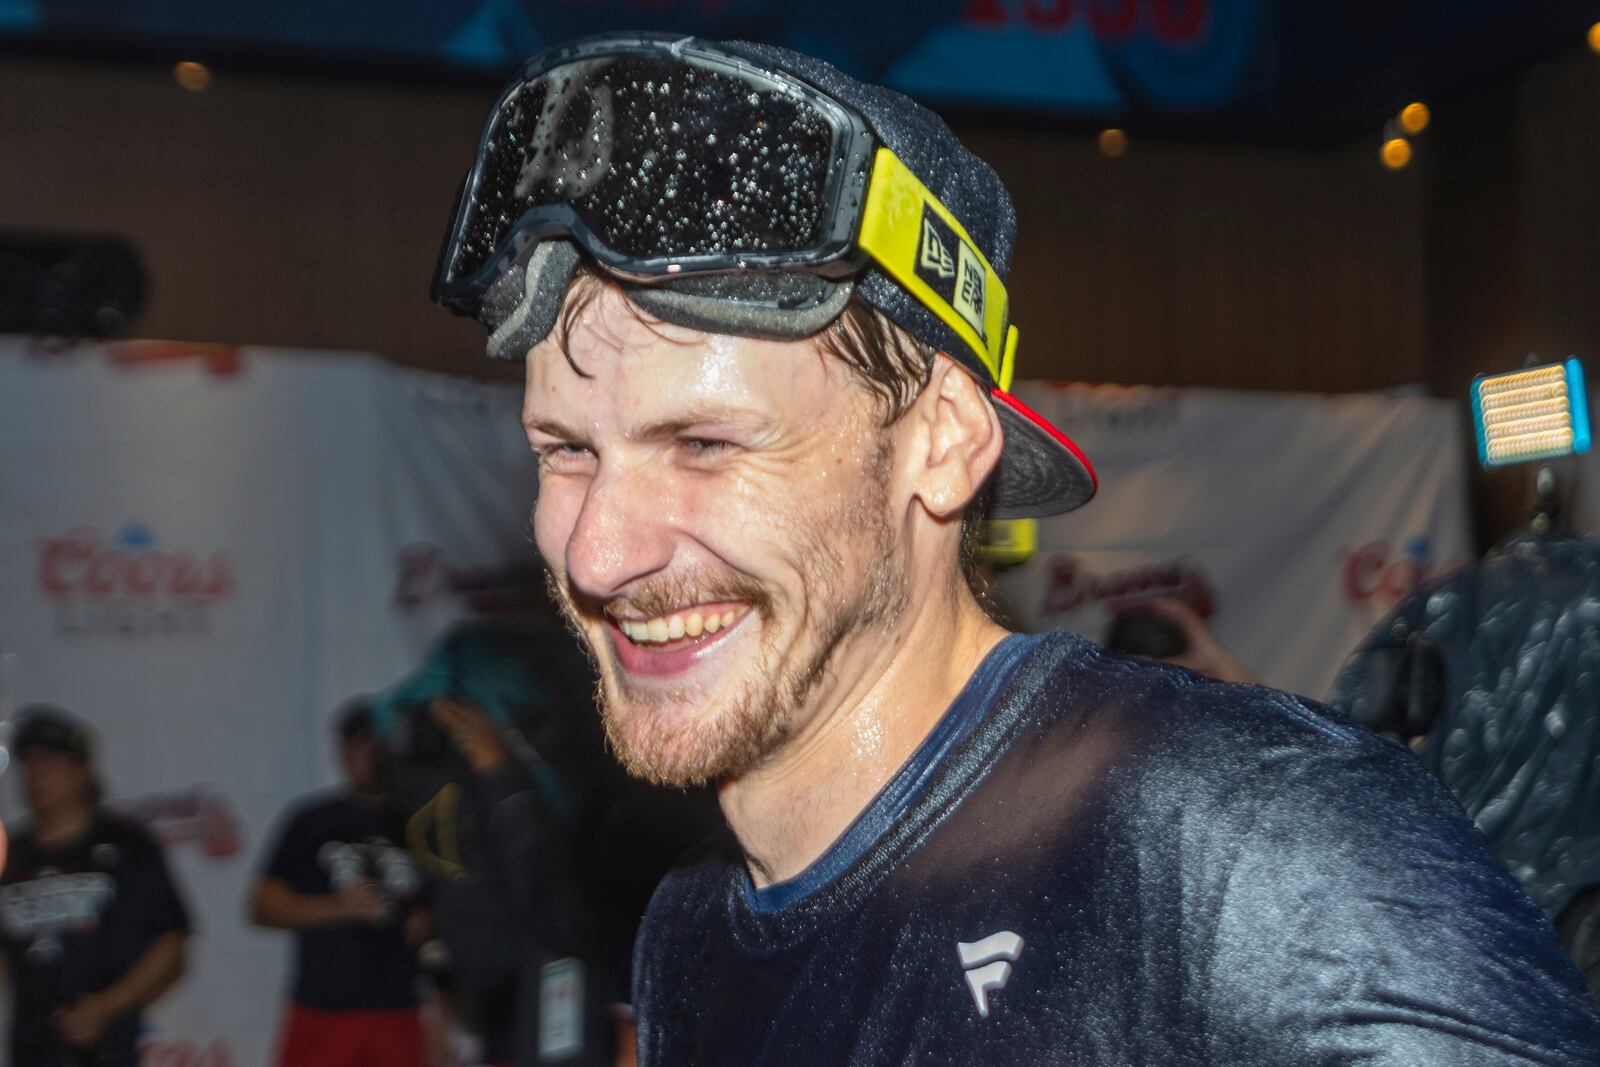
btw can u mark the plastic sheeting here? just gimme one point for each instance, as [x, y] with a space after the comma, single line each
[1517, 737]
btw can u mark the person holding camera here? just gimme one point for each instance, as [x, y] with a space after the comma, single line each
[339, 877]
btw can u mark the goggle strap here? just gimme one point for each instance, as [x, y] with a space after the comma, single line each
[1008, 360]
[916, 240]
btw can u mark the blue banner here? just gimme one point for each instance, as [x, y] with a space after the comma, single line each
[1181, 59]
[1091, 56]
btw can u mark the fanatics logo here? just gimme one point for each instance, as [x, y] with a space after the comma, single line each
[988, 965]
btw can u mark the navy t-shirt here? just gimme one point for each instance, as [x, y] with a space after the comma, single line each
[1094, 860]
[329, 841]
[74, 919]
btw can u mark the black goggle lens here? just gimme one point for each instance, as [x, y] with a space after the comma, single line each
[659, 157]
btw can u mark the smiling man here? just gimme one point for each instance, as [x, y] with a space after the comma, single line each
[763, 311]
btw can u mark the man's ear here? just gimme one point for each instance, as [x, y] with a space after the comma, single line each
[958, 439]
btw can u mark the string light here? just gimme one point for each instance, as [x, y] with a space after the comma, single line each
[195, 77]
[1112, 143]
[1594, 37]
[1396, 153]
[1414, 118]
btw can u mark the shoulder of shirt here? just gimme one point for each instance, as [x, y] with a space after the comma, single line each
[1064, 665]
[315, 804]
[1230, 732]
[125, 830]
[696, 882]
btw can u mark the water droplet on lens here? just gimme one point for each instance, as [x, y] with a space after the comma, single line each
[711, 138]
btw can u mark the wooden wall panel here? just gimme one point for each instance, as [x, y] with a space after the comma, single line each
[305, 212]
[1192, 265]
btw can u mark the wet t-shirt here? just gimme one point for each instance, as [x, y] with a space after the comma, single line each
[1094, 860]
[75, 919]
[335, 840]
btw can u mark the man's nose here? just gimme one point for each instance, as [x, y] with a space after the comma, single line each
[623, 532]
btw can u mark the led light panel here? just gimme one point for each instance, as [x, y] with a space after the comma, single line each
[1533, 414]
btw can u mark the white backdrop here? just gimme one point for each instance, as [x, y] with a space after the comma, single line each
[205, 564]
[1300, 519]
[204, 555]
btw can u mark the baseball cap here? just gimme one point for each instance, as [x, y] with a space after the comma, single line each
[49, 727]
[585, 154]
[1041, 471]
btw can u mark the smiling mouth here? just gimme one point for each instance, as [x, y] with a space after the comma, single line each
[681, 628]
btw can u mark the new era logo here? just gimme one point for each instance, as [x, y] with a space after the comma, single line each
[953, 269]
[988, 965]
[936, 257]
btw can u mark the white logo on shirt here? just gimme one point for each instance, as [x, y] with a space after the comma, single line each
[55, 903]
[988, 965]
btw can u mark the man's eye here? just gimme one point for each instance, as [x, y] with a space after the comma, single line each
[564, 455]
[705, 446]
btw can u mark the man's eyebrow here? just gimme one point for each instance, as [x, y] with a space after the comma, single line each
[551, 428]
[697, 417]
[661, 429]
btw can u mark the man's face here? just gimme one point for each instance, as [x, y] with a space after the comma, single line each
[358, 755]
[715, 513]
[52, 779]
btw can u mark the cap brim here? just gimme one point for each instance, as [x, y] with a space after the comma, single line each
[1041, 471]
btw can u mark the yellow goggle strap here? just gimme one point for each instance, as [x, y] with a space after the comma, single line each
[915, 240]
[1006, 542]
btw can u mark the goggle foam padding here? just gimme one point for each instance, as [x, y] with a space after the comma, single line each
[779, 305]
[521, 308]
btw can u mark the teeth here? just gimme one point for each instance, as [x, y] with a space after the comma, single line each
[672, 627]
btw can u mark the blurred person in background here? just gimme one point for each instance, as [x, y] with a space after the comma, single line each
[541, 854]
[93, 926]
[543, 994]
[1491, 675]
[767, 408]
[1170, 629]
[338, 877]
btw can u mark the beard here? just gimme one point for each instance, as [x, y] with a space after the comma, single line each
[687, 737]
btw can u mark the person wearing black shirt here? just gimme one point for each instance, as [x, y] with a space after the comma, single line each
[339, 877]
[760, 462]
[93, 927]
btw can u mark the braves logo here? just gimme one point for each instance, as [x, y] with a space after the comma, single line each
[1071, 585]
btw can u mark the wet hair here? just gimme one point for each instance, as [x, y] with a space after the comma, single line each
[893, 365]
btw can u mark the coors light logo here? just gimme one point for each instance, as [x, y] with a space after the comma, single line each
[129, 584]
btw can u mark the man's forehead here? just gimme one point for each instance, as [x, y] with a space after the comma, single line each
[615, 357]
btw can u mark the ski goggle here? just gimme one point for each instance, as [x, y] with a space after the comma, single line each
[677, 166]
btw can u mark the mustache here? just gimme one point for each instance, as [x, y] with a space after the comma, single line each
[661, 595]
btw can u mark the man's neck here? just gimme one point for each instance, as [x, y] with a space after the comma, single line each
[64, 825]
[787, 812]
